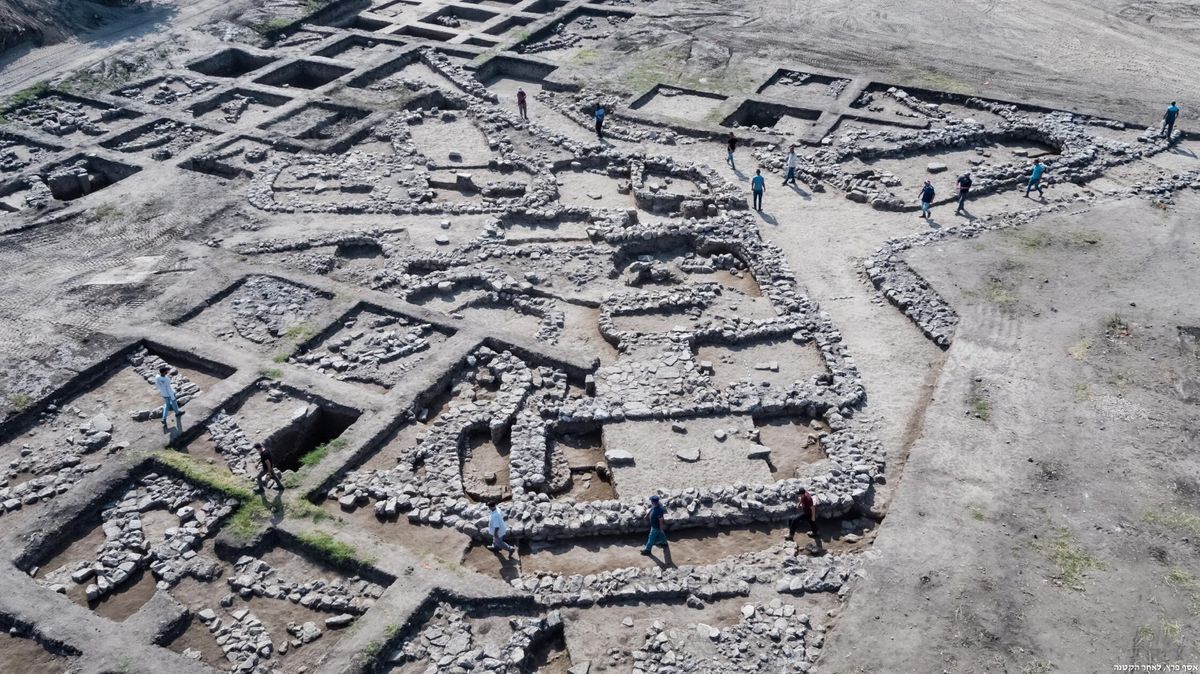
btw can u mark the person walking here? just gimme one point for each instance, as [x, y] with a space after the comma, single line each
[600, 112]
[1035, 178]
[964, 187]
[521, 106]
[758, 186]
[732, 145]
[497, 528]
[927, 195]
[1169, 118]
[266, 467]
[808, 514]
[791, 166]
[163, 382]
[658, 535]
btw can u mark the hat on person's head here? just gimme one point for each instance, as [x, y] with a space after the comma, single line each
[654, 499]
[163, 368]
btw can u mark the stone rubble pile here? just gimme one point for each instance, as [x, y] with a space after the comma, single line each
[770, 637]
[778, 567]
[255, 578]
[448, 644]
[373, 348]
[127, 549]
[264, 308]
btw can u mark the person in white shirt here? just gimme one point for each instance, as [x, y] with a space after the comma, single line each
[791, 167]
[163, 382]
[497, 528]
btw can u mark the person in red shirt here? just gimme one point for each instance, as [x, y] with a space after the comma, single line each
[521, 104]
[808, 513]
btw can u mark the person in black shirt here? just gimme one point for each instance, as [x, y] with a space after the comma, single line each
[266, 467]
[964, 186]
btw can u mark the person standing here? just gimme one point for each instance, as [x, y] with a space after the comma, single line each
[521, 106]
[964, 186]
[163, 382]
[758, 186]
[658, 532]
[1035, 178]
[927, 195]
[808, 514]
[266, 467]
[600, 112]
[791, 166]
[731, 145]
[1169, 118]
[497, 528]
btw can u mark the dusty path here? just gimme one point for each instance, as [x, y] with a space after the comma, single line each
[25, 67]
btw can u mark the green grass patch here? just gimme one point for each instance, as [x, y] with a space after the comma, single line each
[300, 333]
[977, 513]
[586, 56]
[22, 97]
[105, 212]
[983, 409]
[1073, 561]
[336, 551]
[1176, 521]
[280, 358]
[373, 649]
[271, 25]
[20, 401]
[250, 516]
[934, 80]
[318, 453]
[28, 94]
[272, 373]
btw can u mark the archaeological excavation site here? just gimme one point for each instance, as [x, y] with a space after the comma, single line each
[599, 336]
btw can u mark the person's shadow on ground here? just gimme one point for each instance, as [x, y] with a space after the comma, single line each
[510, 565]
[768, 218]
[1175, 149]
[666, 561]
[173, 432]
[803, 195]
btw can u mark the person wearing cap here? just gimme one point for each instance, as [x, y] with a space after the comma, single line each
[964, 187]
[808, 513]
[266, 467]
[497, 528]
[1169, 118]
[658, 534]
[927, 195]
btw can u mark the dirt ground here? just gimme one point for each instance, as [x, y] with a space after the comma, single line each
[1040, 507]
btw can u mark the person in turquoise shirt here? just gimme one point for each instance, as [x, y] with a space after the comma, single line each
[757, 186]
[1169, 120]
[1035, 178]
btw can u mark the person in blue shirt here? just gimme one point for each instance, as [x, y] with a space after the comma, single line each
[927, 194]
[1035, 178]
[600, 121]
[758, 185]
[1169, 120]
[658, 534]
